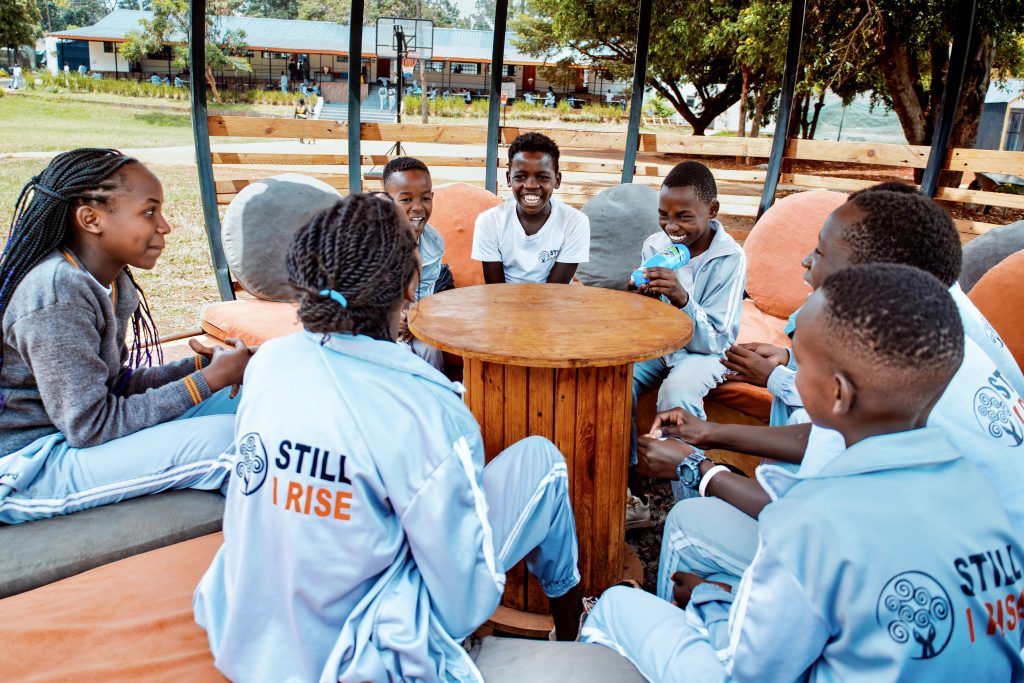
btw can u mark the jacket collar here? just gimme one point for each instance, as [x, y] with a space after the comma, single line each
[902, 450]
[384, 353]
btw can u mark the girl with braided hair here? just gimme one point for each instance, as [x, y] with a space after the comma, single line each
[366, 539]
[84, 420]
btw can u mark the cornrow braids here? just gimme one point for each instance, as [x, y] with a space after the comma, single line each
[41, 223]
[359, 249]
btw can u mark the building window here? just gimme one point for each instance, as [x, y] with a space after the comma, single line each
[108, 46]
[466, 68]
[341, 59]
[434, 67]
[510, 69]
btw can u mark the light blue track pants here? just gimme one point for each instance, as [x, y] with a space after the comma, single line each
[656, 636]
[527, 494]
[48, 478]
[707, 537]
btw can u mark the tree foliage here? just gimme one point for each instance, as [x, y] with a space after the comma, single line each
[19, 22]
[225, 50]
[59, 15]
[443, 13]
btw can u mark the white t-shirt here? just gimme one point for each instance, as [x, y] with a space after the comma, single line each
[499, 236]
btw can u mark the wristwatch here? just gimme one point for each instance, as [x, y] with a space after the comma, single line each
[688, 471]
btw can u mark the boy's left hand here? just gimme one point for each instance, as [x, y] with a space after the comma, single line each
[748, 365]
[685, 582]
[404, 335]
[663, 282]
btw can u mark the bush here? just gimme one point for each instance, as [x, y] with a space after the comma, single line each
[3, 73]
[450, 107]
[75, 82]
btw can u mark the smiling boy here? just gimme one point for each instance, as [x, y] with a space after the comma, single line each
[407, 181]
[709, 289]
[532, 237]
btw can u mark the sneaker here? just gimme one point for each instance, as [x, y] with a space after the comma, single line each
[588, 605]
[638, 512]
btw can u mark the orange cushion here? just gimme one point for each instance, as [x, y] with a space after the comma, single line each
[130, 620]
[456, 206]
[746, 398]
[999, 297]
[758, 326]
[254, 321]
[777, 245]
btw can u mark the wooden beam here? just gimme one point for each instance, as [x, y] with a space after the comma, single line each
[955, 194]
[826, 182]
[912, 156]
[452, 135]
[268, 127]
[986, 160]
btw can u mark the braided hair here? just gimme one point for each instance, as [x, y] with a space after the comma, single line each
[42, 223]
[359, 249]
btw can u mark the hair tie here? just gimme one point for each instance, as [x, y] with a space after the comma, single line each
[45, 190]
[336, 295]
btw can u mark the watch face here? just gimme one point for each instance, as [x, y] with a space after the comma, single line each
[690, 472]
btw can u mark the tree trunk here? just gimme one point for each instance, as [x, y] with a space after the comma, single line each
[755, 125]
[817, 113]
[980, 56]
[711, 107]
[212, 80]
[744, 90]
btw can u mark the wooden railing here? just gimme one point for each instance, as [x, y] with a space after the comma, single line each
[591, 161]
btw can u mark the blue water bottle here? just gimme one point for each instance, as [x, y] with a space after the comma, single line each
[675, 257]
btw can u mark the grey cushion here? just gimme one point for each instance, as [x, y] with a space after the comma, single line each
[38, 553]
[259, 224]
[988, 250]
[514, 660]
[621, 218]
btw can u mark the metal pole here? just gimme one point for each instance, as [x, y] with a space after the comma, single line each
[636, 104]
[117, 68]
[400, 96]
[950, 98]
[494, 101]
[355, 60]
[797, 13]
[201, 134]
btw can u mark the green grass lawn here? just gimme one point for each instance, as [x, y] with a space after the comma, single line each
[44, 122]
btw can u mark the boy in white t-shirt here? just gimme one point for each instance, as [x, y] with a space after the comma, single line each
[532, 237]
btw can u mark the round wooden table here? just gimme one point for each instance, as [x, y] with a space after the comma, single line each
[557, 361]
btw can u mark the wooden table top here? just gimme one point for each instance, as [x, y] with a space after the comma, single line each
[549, 325]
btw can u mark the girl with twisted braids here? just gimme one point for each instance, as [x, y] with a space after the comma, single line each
[84, 420]
[366, 538]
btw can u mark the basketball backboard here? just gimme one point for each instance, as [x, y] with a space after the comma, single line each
[418, 36]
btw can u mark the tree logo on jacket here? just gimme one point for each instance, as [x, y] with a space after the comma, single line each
[915, 610]
[251, 467]
[1001, 420]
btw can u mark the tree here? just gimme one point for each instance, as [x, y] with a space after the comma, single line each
[59, 15]
[443, 13]
[911, 56]
[225, 50]
[272, 9]
[687, 46]
[19, 22]
[482, 18]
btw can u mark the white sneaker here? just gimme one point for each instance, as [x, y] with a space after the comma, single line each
[638, 512]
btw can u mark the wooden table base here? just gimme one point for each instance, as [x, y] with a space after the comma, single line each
[531, 625]
[586, 413]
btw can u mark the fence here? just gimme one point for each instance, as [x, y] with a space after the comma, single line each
[592, 161]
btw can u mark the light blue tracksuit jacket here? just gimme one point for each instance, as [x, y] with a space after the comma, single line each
[358, 543]
[893, 563]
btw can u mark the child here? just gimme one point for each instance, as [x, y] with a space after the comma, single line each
[905, 225]
[869, 570]
[717, 536]
[85, 421]
[709, 289]
[364, 538]
[407, 182]
[532, 237]
[301, 112]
